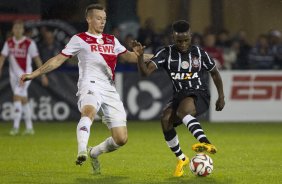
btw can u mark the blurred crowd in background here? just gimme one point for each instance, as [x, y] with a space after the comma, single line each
[231, 52]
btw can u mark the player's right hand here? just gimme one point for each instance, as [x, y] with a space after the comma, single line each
[25, 77]
[138, 48]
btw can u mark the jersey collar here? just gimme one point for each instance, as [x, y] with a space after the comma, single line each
[95, 36]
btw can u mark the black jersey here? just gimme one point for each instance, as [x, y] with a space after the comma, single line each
[186, 70]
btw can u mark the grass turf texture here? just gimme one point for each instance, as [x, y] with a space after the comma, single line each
[247, 153]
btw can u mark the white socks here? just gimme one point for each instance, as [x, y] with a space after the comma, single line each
[108, 145]
[27, 116]
[83, 133]
[186, 120]
[17, 114]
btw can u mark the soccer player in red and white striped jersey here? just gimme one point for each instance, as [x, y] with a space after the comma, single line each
[20, 51]
[97, 54]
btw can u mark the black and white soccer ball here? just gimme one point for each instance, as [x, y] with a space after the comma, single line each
[201, 165]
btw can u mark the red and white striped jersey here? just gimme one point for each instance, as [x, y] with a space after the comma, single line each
[97, 57]
[20, 53]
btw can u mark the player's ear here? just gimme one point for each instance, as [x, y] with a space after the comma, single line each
[87, 19]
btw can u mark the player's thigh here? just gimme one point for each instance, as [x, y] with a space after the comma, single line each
[202, 103]
[119, 135]
[113, 109]
[186, 106]
[89, 103]
[169, 118]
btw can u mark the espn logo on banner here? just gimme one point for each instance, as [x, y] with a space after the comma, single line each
[256, 87]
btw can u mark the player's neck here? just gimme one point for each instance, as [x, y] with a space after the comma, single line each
[91, 31]
[19, 37]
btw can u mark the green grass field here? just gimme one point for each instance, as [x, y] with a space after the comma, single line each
[247, 153]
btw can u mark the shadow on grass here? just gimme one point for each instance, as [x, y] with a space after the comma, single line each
[102, 179]
[196, 180]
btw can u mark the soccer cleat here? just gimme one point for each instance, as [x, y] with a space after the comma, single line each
[179, 167]
[81, 157]
[94, 162]
[201, 147]
[28, 132]
[14, 131]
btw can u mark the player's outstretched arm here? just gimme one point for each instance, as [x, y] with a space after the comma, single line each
[38, 62]
[144, 68]
[131, 57]
[50, 65]
[220, 103]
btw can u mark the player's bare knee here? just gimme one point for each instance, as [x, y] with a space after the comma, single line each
[165, 122]
[182, 113]
[165, 118]
[88, 111]
[121, 140]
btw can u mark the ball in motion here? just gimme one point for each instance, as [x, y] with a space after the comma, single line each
[201, 164]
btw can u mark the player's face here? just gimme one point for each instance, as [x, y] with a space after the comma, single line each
[97, 20]
[182, 40]
[18, 30]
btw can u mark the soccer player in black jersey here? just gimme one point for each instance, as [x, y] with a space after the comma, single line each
[187, 67]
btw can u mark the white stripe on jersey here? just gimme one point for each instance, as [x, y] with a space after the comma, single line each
[159, 52]
[161, 61]
[199, 80]
[179, 61]
[205, 65]
[200, 58]
[169, 57]
[190, 85]
[208, 58]
[190, 62]
[154, 63]
[180, 85]
[174, 86]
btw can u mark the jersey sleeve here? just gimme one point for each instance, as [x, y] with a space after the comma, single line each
[159, 58]
[32, 50]
[119, 49]
[208, 62]
[72, 48]
[5, 50]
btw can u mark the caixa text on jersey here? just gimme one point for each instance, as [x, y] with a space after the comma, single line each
[183, 76]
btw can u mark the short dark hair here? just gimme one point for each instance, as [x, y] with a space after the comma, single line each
[93, 7]
[180, 26]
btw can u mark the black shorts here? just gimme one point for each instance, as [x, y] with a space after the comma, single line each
[201, 100]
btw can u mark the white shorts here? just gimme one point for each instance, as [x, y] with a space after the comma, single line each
[106, 102]
[16, 88]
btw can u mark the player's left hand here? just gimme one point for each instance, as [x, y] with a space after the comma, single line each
[25, 77]
[44, 81]
[138, 48]
[220, 103]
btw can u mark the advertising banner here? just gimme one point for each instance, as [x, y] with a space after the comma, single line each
[250, 96]
[143, 98]
[57, 102]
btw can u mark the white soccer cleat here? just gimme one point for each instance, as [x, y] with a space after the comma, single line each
[14, 131]
[94, 162]
[28, 132]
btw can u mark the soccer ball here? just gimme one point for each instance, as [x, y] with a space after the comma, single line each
[201, 164]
